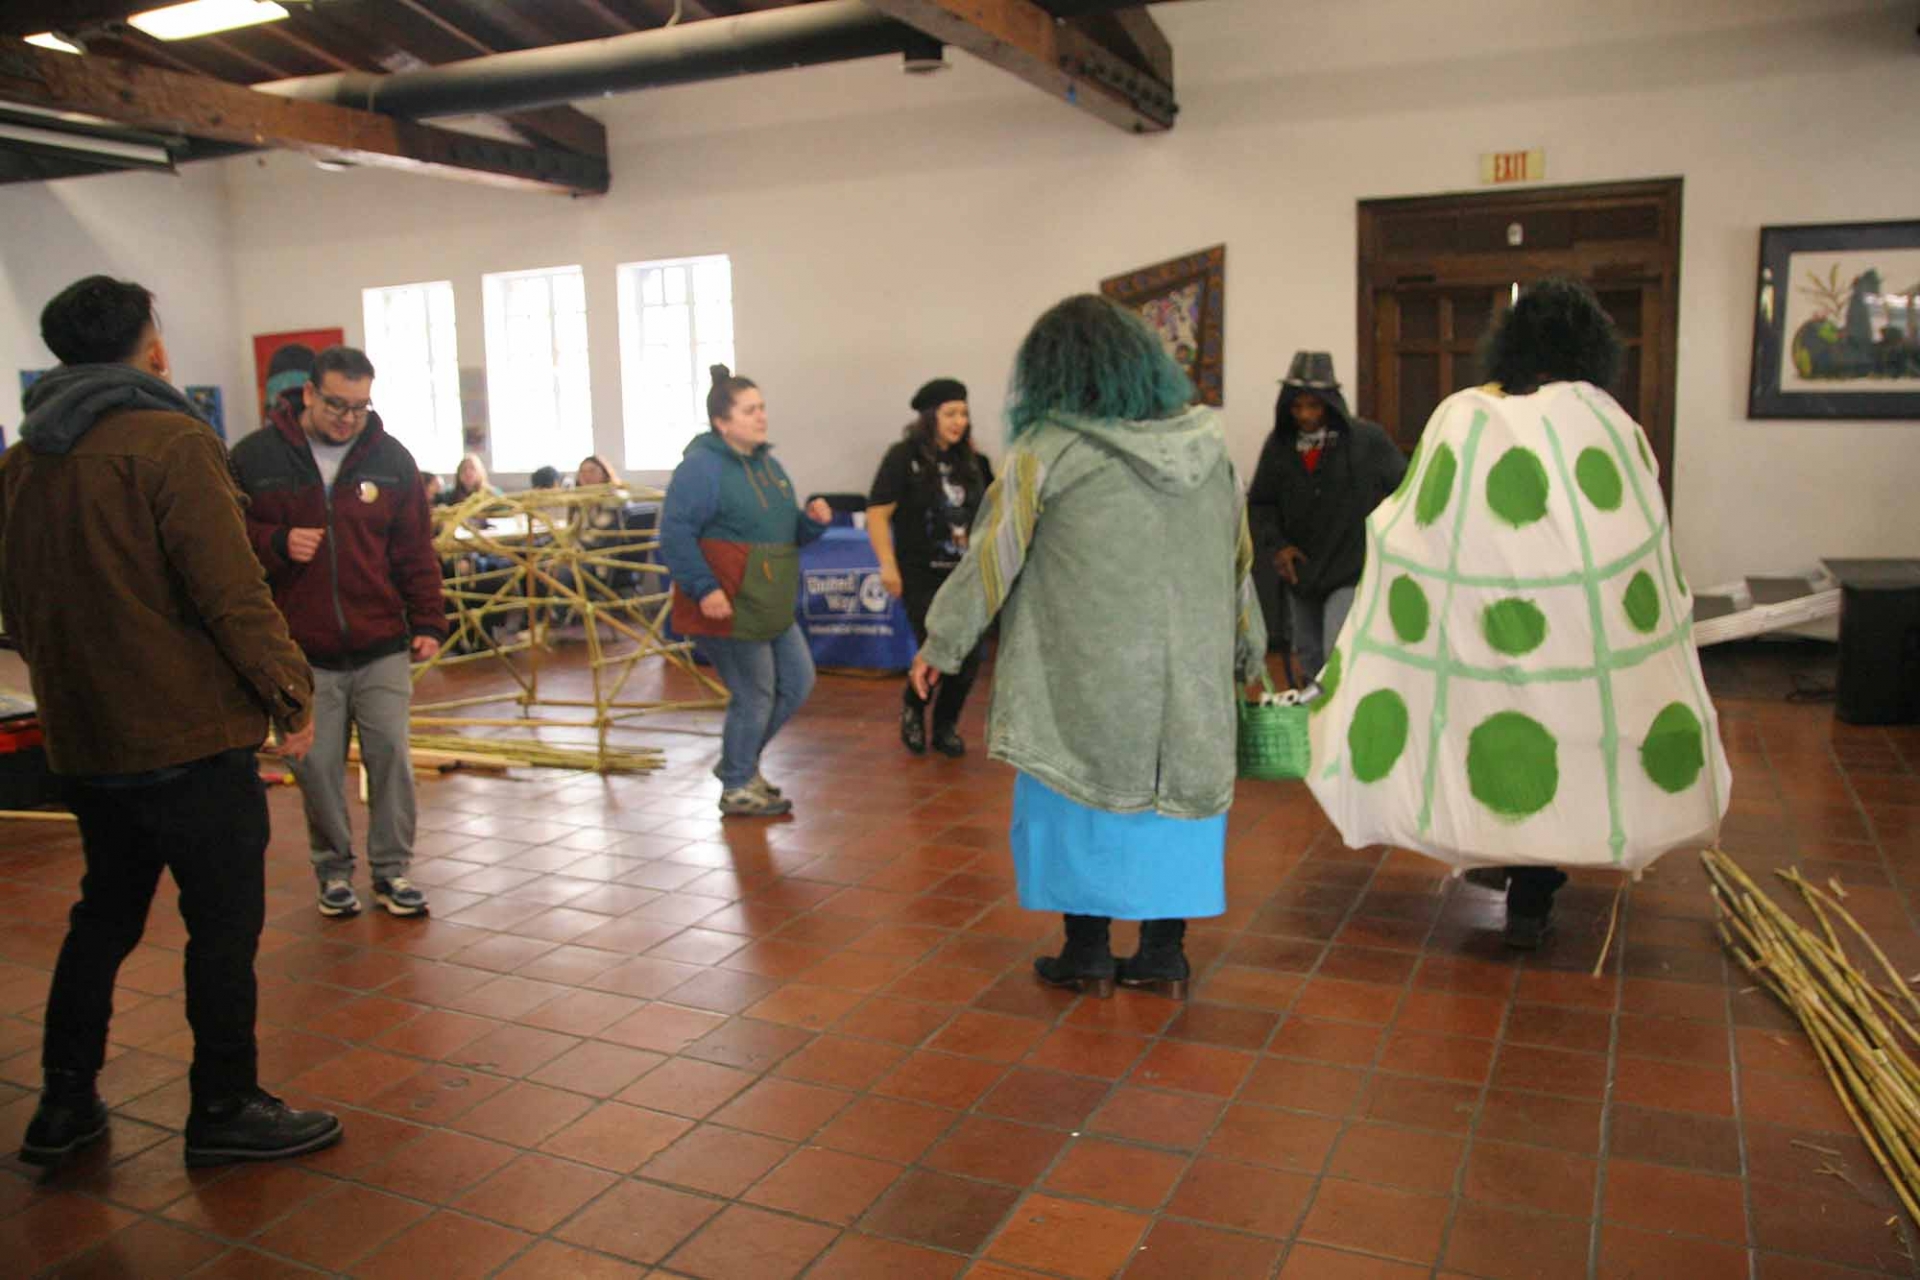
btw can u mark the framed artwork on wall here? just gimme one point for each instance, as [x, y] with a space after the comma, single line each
[1184, 300]
[1836, 324]
[206, 403]
[267, 345]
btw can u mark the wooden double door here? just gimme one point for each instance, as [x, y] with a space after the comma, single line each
[1436, 273]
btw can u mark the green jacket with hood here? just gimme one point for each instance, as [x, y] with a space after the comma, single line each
[1118, 558]
[731, 523]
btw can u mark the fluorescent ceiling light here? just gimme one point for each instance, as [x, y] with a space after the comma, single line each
[48, 40]
[204, 17]
[109, 148]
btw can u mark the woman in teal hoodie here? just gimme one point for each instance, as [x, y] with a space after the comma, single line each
[731, 534]
[1114, 548]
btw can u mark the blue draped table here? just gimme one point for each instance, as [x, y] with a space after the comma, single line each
[849, 618]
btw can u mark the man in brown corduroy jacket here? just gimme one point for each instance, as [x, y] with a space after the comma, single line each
[157, 660]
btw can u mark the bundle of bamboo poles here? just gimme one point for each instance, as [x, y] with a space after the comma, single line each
[1864, 1034]
[530, 753]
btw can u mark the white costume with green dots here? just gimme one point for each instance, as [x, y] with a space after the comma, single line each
[1517, 682]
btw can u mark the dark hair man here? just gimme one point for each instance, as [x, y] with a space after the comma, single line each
[339, 519]
[157, 661]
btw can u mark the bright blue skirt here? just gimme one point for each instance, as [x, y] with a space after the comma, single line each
[1131, 866]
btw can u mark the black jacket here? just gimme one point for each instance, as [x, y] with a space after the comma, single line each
[1323, 513]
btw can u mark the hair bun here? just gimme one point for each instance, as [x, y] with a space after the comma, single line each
[720, 373]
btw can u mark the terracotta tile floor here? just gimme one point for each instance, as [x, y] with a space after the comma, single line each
[636, 1040]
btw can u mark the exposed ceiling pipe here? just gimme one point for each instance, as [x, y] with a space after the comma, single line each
[712, 49]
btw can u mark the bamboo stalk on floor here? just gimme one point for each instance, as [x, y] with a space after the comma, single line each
[1858, 1034]
[35, 815]
[547, 755]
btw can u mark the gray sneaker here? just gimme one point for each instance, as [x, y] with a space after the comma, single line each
[745, 802]
[399, 897]
[764, 787]
[337, 898]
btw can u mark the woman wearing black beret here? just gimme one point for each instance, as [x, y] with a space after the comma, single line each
[925, 496]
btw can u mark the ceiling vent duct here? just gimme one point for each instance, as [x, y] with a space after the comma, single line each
[686, 53]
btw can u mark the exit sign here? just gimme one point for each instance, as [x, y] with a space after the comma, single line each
[1513, 166]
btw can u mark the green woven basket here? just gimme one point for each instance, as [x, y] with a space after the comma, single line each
[1273, 738]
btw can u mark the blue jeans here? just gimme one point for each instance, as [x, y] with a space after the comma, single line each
[1316, 626]
[768, 679]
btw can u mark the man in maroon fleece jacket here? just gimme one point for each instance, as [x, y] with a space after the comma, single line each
[340, 521]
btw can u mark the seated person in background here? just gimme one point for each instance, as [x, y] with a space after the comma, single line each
[470, 479]
[602, 518]
[599, 526]
[431, 482]
[544, 478]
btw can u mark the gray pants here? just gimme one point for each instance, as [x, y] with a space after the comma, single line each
[376, 698]
[1316, 626]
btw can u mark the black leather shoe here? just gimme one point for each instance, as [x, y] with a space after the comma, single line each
[913, 730]
[948, 742]
[256, 1126]
[70, 1117]
[1086, 964]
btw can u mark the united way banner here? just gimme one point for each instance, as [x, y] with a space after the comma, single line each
[849, 618]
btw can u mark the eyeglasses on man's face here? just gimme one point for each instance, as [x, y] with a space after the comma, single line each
[346, 408]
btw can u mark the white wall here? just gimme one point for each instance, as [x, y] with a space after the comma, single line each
[886, 229]
[167, 232]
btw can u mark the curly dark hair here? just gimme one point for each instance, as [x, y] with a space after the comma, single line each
[1556, 332]
[924, 432]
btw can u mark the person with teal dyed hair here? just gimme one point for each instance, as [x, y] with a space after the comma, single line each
[1114, 550]
[287, 370]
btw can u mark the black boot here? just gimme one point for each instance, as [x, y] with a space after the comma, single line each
[1086, 964]
[1161, 962]
[70, 1116]
[913, 729]
[948, 742]
[255, 1126]
[1530, 893]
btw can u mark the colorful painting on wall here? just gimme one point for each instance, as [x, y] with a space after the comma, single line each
[1836, 329]
[206, 403]
[266, 344]
[1184, 301]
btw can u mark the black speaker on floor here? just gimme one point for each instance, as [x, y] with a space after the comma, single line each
[1879, 641]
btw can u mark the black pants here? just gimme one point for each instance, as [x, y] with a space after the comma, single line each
[209, 827]
[950, 697]
[1530, 890]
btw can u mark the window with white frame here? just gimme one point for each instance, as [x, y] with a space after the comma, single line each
[539, 393]
[416, 361]
[676, 320]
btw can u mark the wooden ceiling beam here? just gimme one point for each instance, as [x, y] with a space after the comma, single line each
[1134, 35]
[531, 35]
[608, 16]
[233, 50]
[1061, 60]
[661, 11]
[454, 30]
[201, 107]
[318, 52]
